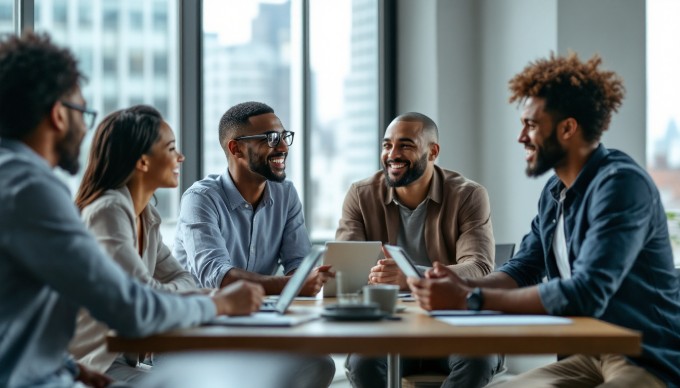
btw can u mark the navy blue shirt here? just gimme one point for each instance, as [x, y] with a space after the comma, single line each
[620, 257]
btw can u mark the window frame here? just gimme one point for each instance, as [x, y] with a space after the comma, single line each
[190, 36]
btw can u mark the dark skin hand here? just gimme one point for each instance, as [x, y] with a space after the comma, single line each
[441, 289]
[386, 271]
[92, 378]
[316, 280]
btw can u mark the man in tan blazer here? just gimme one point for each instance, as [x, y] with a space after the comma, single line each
[436, 215]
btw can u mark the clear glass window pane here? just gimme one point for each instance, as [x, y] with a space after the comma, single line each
[85, 14]
[101, 42]
[344, 141]
[663, 108]
[59, 13]
[6, 16]
[246, 59]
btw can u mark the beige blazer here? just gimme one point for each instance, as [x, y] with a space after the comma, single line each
[111, 219]
[457, 224]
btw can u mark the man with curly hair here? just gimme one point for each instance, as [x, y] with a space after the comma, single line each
[600, 235]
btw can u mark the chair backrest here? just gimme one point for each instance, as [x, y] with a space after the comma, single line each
[503, 253]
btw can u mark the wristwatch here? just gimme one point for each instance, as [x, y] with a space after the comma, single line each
[475, 299]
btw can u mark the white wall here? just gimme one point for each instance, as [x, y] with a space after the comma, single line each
[455, 58]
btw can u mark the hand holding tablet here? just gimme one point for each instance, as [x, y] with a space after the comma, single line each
[405, 263]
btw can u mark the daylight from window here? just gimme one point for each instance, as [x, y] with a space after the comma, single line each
[663, 108]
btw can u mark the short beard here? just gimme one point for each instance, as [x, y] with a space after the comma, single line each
[69, 150]
[414, 172]
[550, 156]
[262, 168]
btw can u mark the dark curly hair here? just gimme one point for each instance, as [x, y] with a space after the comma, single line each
[236, 118]
[572, 88]
[34, 75]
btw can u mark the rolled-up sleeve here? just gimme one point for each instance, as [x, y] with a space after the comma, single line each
[619, 217]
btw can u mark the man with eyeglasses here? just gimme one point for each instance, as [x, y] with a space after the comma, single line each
[244, 223]
[50, 264]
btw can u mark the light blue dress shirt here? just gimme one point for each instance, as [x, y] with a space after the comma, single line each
[219, 230]
[50, 265]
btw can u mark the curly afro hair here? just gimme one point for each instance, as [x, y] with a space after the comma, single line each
[572, 88]
[34, 74]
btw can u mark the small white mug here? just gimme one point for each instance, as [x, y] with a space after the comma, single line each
[385, 295]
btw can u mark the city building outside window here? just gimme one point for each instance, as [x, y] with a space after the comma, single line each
[113, 53]
[6, 16]
[253, 58]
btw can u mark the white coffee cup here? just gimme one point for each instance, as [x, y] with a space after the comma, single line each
[385, 295]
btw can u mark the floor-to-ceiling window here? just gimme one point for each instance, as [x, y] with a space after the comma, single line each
[6, 16]
[255, 50]
[315, 62]
[663, 107]
[343, 54]
[128, 51]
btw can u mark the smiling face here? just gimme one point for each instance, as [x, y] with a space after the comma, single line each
[263, 160]
[164, 159]
[404, 153]
[539, 137]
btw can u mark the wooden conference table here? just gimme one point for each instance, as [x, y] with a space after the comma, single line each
[415, 335]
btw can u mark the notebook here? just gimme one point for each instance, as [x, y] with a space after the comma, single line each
[279, 315]
[355, 260]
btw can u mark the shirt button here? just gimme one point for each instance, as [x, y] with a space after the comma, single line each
[554, 220]
[247, 206]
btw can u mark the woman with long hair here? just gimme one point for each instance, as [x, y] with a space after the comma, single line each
[133, 154]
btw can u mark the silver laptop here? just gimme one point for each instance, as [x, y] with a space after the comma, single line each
[355, 260]
[276, 316]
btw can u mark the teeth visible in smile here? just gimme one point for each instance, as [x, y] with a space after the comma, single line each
[277, 160]
[176, 171]
[398, 165]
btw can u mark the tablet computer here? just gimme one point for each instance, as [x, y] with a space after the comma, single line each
[404, 262]
[354, 259]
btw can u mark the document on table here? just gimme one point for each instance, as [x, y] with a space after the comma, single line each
[504, 320]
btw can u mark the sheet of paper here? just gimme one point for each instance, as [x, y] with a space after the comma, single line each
[504, 320]
[461, 313]
[265, 319]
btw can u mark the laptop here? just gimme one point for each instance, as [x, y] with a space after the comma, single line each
[275, 314]
[355, 260]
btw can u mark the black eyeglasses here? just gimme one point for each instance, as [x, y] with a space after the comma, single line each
[89, 115]
[273, 137]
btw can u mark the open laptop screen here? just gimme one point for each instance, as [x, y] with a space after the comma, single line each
[295, 283]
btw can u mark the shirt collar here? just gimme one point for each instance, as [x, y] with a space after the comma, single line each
[434, 193]
[234, 196]
[585, 176]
